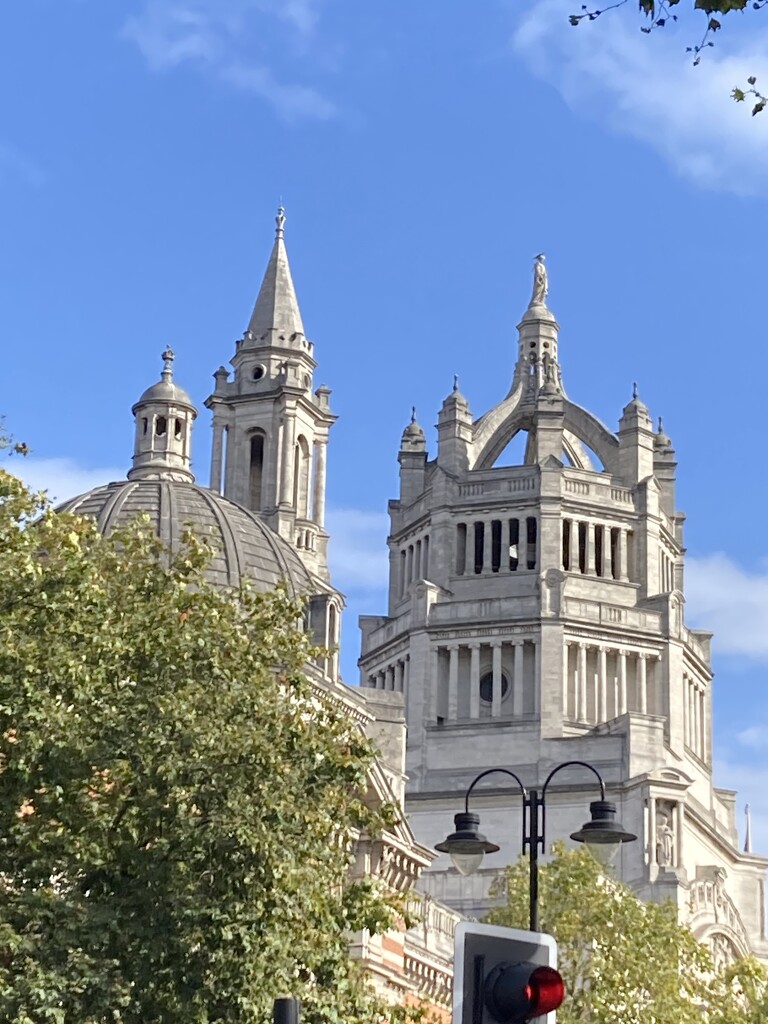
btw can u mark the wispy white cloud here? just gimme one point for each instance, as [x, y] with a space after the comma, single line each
[732, 601]
[238, 42]
[756, 736]
[358, 554]
[648, 88]
[63, 478]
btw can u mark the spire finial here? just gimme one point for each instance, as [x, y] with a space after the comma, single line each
[280, 220]
[661, 426]
[413, 414]
[634, 389]
[455, 382]
[167, 358]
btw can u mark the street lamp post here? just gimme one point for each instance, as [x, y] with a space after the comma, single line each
[603, 833]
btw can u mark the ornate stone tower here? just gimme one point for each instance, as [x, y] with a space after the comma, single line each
[270, 430]
[536, 616]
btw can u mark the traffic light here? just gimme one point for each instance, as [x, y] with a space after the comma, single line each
[504, 976]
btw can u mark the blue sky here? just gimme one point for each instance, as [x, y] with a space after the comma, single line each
[424, 152]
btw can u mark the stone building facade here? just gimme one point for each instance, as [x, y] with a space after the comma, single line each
[536, 616]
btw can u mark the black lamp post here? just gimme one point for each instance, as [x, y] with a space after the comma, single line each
[603, 833]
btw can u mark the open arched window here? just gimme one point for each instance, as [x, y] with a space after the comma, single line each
[301, 477]
[256, 471]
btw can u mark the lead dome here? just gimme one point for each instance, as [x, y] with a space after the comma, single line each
[161, 485]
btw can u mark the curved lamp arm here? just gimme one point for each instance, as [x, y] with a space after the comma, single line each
[492, 771]
[572, 764]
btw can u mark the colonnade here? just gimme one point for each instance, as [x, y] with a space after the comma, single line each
[496, 545]
[414, 562]
[477, 679]
[695, 716]
[393, 676]
[595, 549]
[600, 683]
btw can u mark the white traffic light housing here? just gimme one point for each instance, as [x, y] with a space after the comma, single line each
[504, 976]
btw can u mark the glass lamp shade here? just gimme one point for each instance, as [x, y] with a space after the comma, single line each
[603, 834]
[604, 853]
[467, 845]
[466, 863]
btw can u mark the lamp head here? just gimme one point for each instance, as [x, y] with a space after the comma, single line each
[467, 845]
[603, 834]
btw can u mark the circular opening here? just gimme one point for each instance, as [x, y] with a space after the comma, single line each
[532, 345]
[258, 372]
[307, 381]
[486, 687]
[546, 344]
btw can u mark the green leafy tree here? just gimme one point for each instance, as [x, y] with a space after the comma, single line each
[622, 959]
[656, 14]
[178, 805]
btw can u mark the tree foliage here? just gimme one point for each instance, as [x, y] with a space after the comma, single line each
[177, 805]
[625, 960]
[656, 14]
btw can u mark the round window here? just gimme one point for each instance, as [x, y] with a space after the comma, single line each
[258, 372]
[486, 687]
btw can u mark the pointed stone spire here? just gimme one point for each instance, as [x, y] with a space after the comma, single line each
[276, 306]
[164, 417]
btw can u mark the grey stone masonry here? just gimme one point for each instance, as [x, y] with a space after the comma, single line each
[536, 616]
[270, 428]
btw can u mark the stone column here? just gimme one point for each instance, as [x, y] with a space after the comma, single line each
[622, 553]
[487, 546]
[652, 830]
[496, 691]
[289, 442]
[573, 547]
[607, 556]
[622, 682]
[417, 560]
[697, 719]
[522, 543]
[537, 682]
[318, 498]
[425, 558]
[581, 702]
[679, 824]
[406, 679]
[469, 554]
[602, 686]
[435, 700]
[517, 681]
[217, 456]
[590, 539]
[453, 682]
[642, 683]
[566, 678]
[474, 680]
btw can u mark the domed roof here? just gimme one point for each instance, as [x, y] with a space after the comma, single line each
[165, 390]
[244, 546]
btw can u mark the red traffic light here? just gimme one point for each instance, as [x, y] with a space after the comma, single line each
[546, 991]
[516, 993]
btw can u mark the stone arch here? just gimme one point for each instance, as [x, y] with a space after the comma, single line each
[495, 430]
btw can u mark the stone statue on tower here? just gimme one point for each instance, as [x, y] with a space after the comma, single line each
[540, 283]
